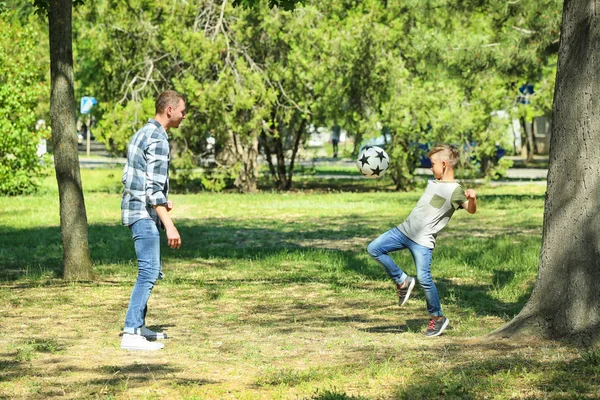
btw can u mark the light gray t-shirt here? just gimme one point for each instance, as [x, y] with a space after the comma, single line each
[433, 211]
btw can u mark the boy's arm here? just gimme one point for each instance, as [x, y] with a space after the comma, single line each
[173, 238]
[471, 204]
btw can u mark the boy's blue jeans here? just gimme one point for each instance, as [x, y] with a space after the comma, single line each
[394, 240]
[146, 240]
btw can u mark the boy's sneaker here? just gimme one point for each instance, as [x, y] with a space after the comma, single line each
[436, 327]
[404, 291]
[138, 342]
[151, 335]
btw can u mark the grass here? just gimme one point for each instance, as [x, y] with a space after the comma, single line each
[272, 296]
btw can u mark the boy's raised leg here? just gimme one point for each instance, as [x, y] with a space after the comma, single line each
[405, 289]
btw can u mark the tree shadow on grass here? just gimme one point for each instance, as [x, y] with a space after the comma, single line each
[495, 367]
[10, 368]
[31, 253]
[509, 198]
[106, 379]
[480, 299]
[410, 325]
[137, 374]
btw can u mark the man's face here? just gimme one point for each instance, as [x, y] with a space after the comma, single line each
[176, 114]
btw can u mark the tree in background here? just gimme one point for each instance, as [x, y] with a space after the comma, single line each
[290, 51]
[426, 72]
[77, 264]
[22, 84]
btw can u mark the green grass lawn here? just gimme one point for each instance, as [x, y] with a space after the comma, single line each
[272, 296]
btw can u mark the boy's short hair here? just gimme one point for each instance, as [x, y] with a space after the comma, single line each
[447, 153]
[166, 99]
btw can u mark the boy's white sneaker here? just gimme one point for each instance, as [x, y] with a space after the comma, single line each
[138, 342]
[151, 335]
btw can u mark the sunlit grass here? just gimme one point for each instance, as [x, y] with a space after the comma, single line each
[272, 296]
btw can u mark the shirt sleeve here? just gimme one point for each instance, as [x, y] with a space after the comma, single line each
[157, 168]
[458, 197]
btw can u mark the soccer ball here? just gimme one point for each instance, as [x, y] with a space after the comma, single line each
[372, 161]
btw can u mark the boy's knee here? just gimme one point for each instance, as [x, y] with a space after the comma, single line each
[372, 250]
[425, 279]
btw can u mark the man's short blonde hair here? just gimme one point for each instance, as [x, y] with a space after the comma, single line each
[446, 153]
[166, 99]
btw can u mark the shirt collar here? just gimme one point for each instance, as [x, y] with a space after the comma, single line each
[158, 125]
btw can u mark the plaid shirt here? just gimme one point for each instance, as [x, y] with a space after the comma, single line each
[146, 174]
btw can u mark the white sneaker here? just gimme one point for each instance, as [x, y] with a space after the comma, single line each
[138, 342]
[151, 335]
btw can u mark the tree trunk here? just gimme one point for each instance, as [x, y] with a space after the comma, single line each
[357, 143]
[245, 151]
[529, 142]
[73, 221]
[280, 154]
[565, 303]
[297, 139]
[264, 143]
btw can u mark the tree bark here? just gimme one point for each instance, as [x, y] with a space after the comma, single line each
[77, 264]
[529, 140]
[245, 152]
[565, 303]
[297, 139]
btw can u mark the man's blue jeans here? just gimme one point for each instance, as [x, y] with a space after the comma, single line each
[394, 240]
[146, 240]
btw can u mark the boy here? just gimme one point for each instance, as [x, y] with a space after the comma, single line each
[418, 233]
[145, 208]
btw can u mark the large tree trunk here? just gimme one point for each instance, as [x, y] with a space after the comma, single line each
[565, 303]
[73, 221]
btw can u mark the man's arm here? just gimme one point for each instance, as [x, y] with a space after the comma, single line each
[173, 238]
[471, 204]
[156, 175]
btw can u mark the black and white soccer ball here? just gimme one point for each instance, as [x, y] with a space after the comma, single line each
[372, 161]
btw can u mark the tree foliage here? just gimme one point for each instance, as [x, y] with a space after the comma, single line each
[425, 72]
[259, 76]
[22, 85]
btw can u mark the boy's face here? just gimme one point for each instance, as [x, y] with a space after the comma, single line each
[438, 165]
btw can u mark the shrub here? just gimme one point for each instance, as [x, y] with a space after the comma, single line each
[22, 84]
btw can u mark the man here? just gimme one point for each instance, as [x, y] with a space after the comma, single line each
[145, 209]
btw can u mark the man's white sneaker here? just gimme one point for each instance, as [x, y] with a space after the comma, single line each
[138, 342]
[151, 335]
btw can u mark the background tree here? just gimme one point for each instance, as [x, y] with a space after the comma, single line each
[23, 85]
[290, 51]
[425, 72]
[566, 298]
[77, 264]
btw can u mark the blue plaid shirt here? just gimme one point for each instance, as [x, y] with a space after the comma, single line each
[146, 174]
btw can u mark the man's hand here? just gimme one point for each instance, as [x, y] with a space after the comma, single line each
[470, 193]
[173, 238]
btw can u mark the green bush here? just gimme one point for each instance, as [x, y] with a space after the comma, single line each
[22, 84]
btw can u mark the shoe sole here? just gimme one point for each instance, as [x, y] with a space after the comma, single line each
[157, 337]
[441, 329]
[408, 292]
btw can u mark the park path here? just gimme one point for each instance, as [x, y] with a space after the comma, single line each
[99, 159]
